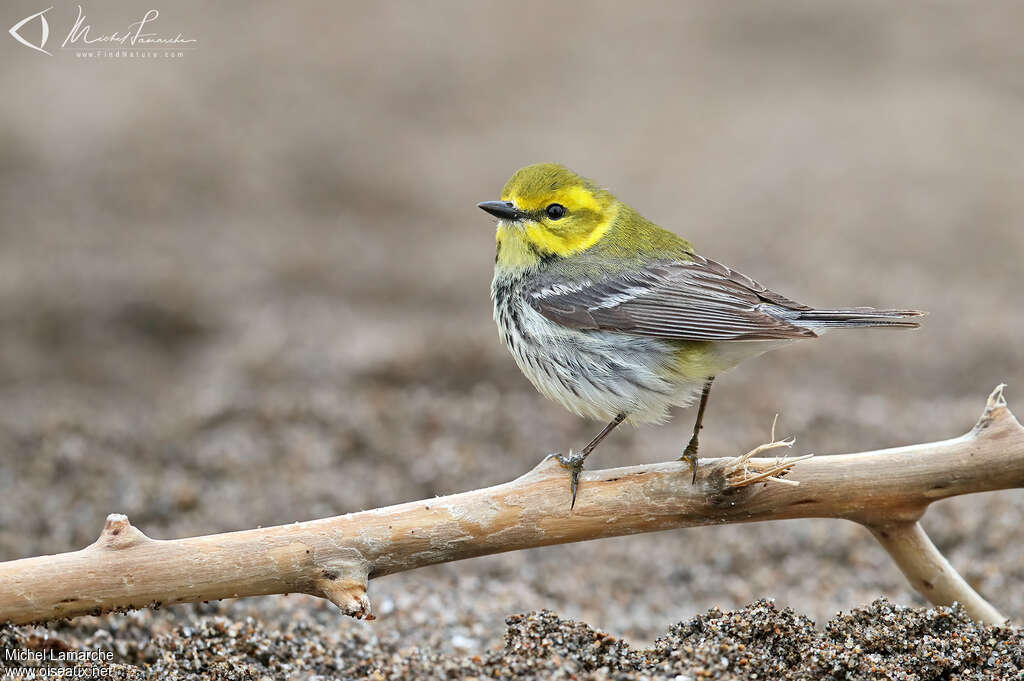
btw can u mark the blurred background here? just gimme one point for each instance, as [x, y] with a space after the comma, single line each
[249, 285]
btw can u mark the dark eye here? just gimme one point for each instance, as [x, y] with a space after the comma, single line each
[555, 211]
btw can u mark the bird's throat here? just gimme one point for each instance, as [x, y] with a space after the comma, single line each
[516, 251]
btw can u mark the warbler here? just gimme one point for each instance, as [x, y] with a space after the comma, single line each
[618, 319]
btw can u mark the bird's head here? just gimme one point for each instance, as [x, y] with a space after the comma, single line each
[548, 210]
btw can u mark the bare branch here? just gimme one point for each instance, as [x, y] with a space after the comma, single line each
[929, 572]
[886, 490]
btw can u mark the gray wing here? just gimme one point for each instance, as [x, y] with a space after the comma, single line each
[699, 300]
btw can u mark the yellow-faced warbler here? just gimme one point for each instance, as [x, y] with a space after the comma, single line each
[618, 319]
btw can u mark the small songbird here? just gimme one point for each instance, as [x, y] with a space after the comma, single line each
[618, 319]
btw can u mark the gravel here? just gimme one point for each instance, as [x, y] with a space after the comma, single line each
[759, 641]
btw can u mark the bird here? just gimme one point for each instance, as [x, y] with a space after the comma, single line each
[618, 319]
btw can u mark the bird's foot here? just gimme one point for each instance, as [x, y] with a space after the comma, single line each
[690, 457]
[574, 462]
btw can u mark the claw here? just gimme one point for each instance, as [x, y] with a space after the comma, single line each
[574, 462]
[690, 457]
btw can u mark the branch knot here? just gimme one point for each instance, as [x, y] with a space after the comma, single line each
[119, 534]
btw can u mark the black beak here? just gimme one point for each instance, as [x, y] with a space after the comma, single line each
[505, 210]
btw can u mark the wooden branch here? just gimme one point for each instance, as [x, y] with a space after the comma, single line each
[929, 572]
[886, 490]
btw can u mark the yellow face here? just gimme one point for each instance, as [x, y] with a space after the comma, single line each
[557, 212]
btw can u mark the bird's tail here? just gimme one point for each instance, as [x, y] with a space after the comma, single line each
[856, 317]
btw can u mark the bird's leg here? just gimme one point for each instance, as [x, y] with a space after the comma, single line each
[690, 453]
[574, 462]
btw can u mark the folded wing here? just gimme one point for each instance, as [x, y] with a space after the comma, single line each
[698, 300]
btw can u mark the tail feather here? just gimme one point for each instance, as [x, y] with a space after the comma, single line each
[855, 317]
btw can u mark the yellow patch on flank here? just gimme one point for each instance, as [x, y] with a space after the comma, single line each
[695, 361]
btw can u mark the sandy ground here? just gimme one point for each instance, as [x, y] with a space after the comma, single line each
[250, 286]
[879, 641]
